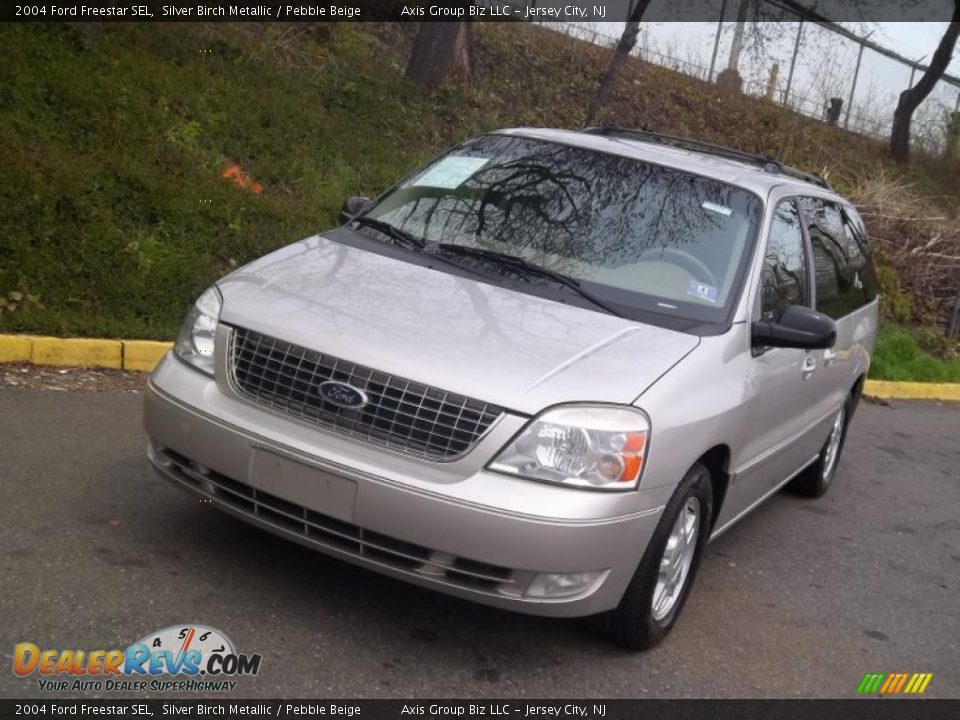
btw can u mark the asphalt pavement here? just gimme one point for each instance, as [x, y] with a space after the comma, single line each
[801, 599]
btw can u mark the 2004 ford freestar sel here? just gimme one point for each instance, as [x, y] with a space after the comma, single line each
[539, 373]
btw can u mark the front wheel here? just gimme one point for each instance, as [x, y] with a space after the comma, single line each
[661, 584]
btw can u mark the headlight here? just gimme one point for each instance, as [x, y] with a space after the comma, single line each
[597, 447]
[199, 331]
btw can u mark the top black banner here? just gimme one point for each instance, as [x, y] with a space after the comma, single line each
[590, 11]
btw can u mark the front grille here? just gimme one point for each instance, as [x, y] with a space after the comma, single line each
[324, 531]
[399, 414]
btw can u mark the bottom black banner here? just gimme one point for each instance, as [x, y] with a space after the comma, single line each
[866, 708]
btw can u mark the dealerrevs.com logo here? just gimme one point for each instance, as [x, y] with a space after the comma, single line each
[180, 658]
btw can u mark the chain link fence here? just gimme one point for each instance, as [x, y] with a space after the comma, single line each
[821, 70]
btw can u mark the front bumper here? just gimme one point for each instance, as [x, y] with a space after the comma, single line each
[453, 527]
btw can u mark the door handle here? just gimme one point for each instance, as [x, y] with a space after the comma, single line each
[809, 365]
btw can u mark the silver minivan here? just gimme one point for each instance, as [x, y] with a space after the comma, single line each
[540, 372]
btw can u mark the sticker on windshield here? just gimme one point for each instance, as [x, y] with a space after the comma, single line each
[713, 207]
[451, 172]
[703, 291]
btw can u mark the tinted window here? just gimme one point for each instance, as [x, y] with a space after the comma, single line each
[636, 234]
[842, 267]
[861, 258]
[784, 263]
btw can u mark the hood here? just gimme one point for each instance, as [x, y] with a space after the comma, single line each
[518, 351]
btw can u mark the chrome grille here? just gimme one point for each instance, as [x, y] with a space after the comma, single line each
[399, 414]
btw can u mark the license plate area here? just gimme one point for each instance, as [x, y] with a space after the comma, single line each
[301, 484]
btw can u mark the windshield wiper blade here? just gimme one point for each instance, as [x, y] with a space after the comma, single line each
[402, 237]
[523, 265]
[398, 235]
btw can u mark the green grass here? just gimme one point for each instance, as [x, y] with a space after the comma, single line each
[113, 212]
[898, 356]
[111, 148]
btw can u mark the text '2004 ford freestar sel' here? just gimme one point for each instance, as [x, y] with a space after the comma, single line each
[539, 373]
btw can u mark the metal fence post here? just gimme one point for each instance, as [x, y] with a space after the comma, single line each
[793, 63]
[853, 85]
[716, 42]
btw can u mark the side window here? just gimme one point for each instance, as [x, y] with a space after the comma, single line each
[784, 264]
[864, 272]
[838, 259]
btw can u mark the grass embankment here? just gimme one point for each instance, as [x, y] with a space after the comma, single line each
[114, 213]
[899, 356]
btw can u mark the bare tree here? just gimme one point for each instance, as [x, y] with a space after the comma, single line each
[618, 59]
[442, 51]
[754, 35]
[911, 98]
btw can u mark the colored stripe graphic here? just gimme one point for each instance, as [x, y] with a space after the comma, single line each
[894, 683]
[870, 683]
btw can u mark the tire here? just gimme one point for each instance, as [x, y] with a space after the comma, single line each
[815, 480]
[637, 623]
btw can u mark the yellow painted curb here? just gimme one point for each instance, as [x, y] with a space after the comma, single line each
[77, 351]
[143, 354]
[15, 348]
[82, 352]
[903, 390]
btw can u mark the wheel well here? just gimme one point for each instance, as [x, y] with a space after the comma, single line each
[717, 461]
[857, 392]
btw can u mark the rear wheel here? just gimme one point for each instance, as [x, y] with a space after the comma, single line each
[816, 479]
[661, 584]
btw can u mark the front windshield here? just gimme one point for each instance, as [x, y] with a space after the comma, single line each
[636, 234]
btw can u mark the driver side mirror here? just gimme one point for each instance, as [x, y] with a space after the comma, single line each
[352, 207]
[798, 327]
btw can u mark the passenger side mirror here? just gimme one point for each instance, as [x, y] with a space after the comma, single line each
[798, 327]
[352, 207]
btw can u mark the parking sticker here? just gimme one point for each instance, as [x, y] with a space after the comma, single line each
[702, 291]
[713, 207]
[451, 172]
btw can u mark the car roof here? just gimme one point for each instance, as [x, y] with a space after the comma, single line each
[746, 175]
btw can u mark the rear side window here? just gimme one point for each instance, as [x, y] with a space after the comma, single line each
[861, 257]
[843, 269]
[784, 264]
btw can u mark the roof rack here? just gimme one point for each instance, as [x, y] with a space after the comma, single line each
[766, 163]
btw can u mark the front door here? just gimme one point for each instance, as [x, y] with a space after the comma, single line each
[776, 435]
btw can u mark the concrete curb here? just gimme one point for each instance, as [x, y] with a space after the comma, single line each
[85, 352]
[144, 355]
[903, 390]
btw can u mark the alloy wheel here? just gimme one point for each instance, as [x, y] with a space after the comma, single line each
[832, 451]
[677, 559]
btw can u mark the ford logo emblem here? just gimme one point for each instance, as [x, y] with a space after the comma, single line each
[342, 395]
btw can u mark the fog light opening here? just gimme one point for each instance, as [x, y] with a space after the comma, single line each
[155, 454]
[564, 585]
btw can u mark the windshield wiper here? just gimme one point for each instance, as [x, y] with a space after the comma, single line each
[516, 262]
[399, 236]
[402, 237]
